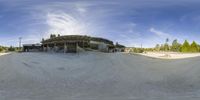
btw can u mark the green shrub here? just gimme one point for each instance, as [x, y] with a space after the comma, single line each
[1, 49]
[11, 48]
[138, 50]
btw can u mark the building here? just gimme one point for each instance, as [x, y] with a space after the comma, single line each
[76, 43]
[119, 48]
[32, 47]
[129, 49]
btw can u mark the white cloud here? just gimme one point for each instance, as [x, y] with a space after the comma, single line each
[81, 10]
[64, 24]
[160, 33]
[29, 39]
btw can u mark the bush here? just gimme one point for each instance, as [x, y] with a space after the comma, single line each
[11, 48]
[1, 49]
[138, 50]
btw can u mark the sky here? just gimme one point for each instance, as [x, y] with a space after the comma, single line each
[128, 22]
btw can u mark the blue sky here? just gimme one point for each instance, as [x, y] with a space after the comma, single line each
[129, 22]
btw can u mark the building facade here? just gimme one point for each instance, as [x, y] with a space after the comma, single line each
[32, 47]
[76, 43]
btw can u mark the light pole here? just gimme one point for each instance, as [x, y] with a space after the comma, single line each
[20, 41]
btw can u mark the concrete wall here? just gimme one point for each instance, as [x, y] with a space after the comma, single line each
[103, 47]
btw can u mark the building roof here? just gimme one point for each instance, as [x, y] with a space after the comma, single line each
[32, 44]
[76, 38]
[98, 39]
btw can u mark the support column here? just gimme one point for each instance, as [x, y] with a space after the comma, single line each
[65, 47]
[47, 48]
[55, 47]
[43, 47]
[76, 47]
[83, 45]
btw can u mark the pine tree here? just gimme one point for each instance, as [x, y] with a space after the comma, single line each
[157, 48]
[42, 39]
[166, 47]
[162, 47]
[52, 36]
[185, 47]
[167, 40]
[194, 47]
[175, 46]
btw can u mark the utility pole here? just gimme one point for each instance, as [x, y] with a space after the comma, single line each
[20, 41]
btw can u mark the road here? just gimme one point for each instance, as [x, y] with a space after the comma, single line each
[97, 76]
